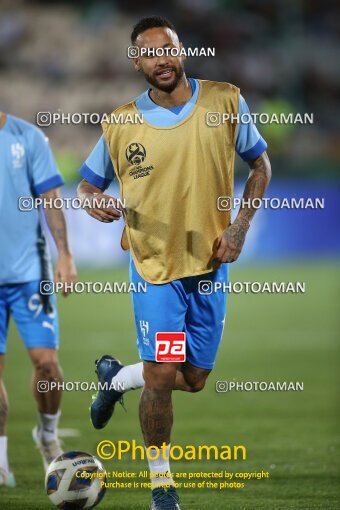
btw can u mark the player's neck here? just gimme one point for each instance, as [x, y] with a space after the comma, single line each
[2, 119]
[180, 95]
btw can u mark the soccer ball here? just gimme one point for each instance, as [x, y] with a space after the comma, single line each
[74, 480]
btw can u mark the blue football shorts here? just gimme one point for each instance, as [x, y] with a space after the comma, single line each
[23, 302]
[195, 305]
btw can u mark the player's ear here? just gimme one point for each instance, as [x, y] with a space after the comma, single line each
[136, 64]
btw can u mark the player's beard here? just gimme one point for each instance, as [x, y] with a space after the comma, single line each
[168, 87]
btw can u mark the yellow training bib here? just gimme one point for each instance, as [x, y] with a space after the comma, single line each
[170, 179]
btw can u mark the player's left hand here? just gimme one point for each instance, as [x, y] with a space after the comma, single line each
[230, 244]
[65, 271]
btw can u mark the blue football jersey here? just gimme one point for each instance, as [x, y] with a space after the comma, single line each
[27, 170]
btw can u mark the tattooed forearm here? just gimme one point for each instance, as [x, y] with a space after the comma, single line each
[56, 222]
[229, 246]
[236, 235]
[258, 180]
[156, 418]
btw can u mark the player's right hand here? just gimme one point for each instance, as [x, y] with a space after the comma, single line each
[104, 208]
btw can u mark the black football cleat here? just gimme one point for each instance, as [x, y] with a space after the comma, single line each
[103, 403]
[164, 499]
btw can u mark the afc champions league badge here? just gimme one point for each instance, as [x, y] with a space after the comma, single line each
[135, 153]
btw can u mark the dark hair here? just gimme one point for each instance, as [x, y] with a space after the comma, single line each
[150, 22]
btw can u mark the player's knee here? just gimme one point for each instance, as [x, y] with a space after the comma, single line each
[160, 384]
[196, 386]
[48, 368]
[160, 377]
[195, 378]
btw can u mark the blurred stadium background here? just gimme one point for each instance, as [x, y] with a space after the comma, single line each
[71, 56]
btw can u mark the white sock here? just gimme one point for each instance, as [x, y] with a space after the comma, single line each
[129, 377]
[160, 466]
[49, 426]
[3, 454]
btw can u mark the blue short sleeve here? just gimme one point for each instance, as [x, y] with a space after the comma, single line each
[42, 166]
[249, 143]
[98, 168]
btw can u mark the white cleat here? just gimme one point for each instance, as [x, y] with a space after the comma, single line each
[49, 449]
[7, 479]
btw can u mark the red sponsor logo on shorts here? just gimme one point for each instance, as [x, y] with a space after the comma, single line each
[170, 346]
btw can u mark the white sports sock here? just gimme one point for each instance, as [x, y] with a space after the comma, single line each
[160, 466]
[48, 430]
[3, 453]
[129, 377]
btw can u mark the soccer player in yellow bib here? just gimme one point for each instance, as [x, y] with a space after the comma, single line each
[172, 168]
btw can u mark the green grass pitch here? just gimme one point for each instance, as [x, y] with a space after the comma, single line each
[294, 436]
